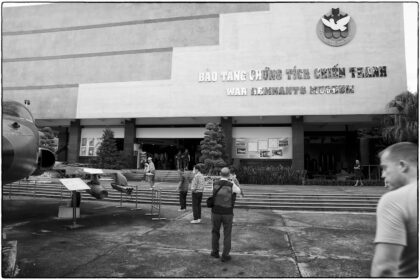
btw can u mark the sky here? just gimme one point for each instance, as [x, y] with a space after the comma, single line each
[411, 41]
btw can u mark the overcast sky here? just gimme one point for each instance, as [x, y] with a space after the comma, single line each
[411, 41]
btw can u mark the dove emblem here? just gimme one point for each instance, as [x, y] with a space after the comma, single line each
[339, 25]
[336, 28]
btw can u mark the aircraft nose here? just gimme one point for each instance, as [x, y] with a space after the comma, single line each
[8, 154]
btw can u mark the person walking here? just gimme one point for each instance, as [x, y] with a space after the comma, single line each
[396, 240]
[183, 189]
[197, 188]
[150, 172]
[358, 173]
[222, 214]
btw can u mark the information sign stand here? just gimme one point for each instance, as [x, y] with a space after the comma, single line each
[74, 185]
[74, 202]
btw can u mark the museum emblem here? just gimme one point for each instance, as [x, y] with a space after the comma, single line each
[336, 28]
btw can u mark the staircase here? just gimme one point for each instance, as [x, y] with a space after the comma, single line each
[160, 175]
[253, 200]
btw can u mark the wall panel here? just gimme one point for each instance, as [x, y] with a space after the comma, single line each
[115, 38]
[99, 69]
[47, 103]
[64, 15]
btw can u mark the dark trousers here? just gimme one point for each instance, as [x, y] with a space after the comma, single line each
[196, 204]
[218, 220]
[183, 199]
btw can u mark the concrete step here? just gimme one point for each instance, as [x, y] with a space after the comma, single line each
[248, 199]
[279, 201]
[57, 186]
[160, 175]
[292, 207]
[174, 197]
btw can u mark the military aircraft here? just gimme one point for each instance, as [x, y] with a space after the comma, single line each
[21, 154]
[92, 174]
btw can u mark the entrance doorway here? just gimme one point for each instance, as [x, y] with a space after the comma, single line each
[327, 153]
[163, 151]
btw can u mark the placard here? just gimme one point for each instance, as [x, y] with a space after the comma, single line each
[93, 171]
[253, 147]
[74, 184]
[260, 148]
[262, 145]
[273, 142]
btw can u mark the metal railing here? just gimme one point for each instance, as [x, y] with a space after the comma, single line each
[373, 171]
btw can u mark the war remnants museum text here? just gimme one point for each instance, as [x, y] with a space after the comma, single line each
[294, 73]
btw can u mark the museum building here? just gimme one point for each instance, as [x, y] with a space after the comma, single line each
[290, 83]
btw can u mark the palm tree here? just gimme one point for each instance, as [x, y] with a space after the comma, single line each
[402, 122]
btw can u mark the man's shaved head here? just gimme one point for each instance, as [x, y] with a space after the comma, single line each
[406, 151]
[225, 172]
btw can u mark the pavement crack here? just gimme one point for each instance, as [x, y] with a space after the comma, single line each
[292, 249]
[108, 251]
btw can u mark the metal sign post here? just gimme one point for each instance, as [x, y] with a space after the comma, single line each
[74, 185]
[74, 202]
[137, 190]
[155, 204]
[120, 200]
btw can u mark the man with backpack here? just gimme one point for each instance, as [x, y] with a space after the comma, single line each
[224, 192]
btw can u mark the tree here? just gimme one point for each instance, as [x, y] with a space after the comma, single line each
[212, 149]
[108, 155]
[402, 124]
[47, 139]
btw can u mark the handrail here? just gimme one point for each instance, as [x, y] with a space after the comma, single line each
[378, 170]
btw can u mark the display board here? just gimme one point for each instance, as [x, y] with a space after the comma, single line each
[74, 184]
[263, 148]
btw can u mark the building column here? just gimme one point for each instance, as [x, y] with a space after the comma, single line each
[63, 141]
[129, 140]
[298, 161]
[73, 150]
[226, 123]
[364, 151]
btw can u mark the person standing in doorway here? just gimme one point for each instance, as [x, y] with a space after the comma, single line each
[197, 188]
[222, 214]
[185, 159]
[183, 189]
[358, 173]
[178, 160]
[396, 240]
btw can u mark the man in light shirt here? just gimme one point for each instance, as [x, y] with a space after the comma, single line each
[222, 213]
[396, 241]
[150, 172]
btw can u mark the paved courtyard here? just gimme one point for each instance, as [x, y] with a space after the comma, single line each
[119, 242]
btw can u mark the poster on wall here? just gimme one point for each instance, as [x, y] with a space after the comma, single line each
[273, 142]
[269, 148]
[262, 145]
[253, 146]
[83, 151]
[89, 146]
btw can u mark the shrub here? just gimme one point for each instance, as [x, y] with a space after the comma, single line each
[270, 175]
[212, 149]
